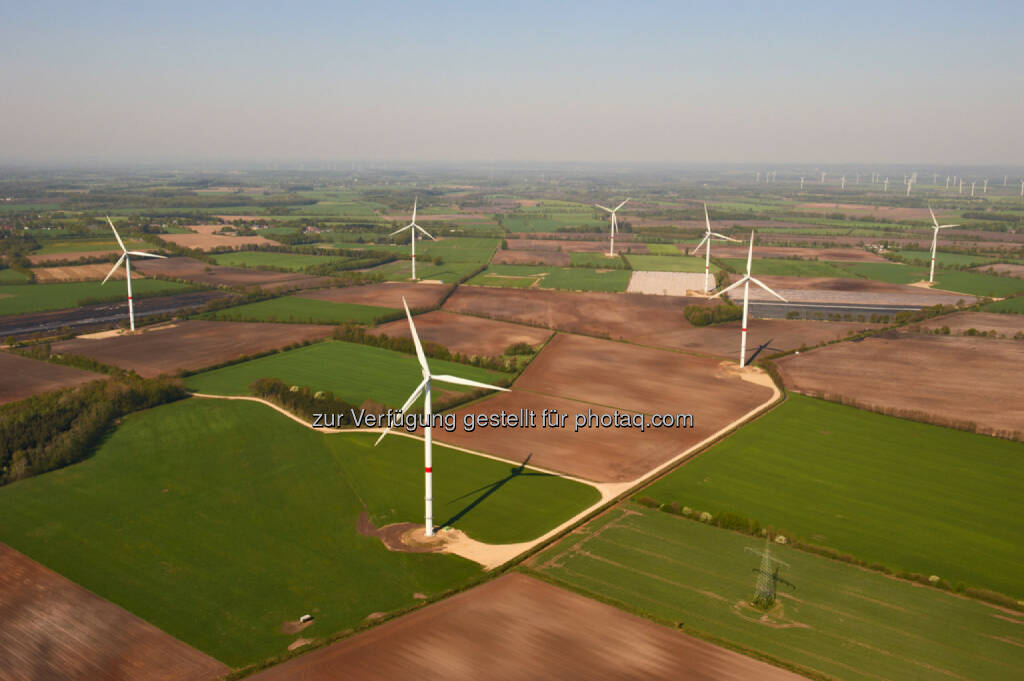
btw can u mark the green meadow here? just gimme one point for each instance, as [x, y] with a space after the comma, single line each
[22, 298]
[303, 310]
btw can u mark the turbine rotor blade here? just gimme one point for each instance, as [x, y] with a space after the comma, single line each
[145, 255]
[934, 219]
[116, 235]
[425, 232]
[408, 403]
[416, 341]
[765, 287]
[702, 242]
[399, 231]
[621, 204]
[414, 202]
[603, 208]
[707, 219]
[445, 378]
[730, 287]
[946, 226]
[726, 238]
[114, 268]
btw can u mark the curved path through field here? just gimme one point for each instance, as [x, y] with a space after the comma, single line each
[491, 556]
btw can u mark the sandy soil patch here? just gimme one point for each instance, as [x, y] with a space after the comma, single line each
[465, 334]
[204, 238]
[21, 377]
[418, 295]
[517, 628]
[951, 379]
[191, 344]
[55, 629]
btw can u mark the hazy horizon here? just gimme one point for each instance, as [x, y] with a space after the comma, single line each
[651, 83]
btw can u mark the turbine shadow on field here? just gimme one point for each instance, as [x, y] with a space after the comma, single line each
[488, 490]
[760, 348]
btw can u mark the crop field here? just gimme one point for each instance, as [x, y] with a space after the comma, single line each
[200, 272]
[664, 249]
[892, 273]
[661, 263]
[190, 345]
[9, 276]
[174, 528]
[978, 284]
[73, 247]
[1010, 305]
[944, 259]
[550, 222]
[786, 267]
[1004, 325]
[700, 577]
[301, 309]
[939, 501]
[598, 260]
[945, 379]
[565, 278]
[465, 334]
[833, 255]
[21, 377]
[55, 629]
[389, 295]
[401, 270]
[353, 372]
[471, 630]
[532, 257]
[461, 250]
[22, 298]
[95, 272]
[290, 261]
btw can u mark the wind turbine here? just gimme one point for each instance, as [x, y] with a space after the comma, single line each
[844, 183]
[413, 227]
[886, 187]
[935, 239]
[424, 389]
[708, 236]
[801, 184]
[909, 185]
[615, 223]
[746, 299]
[125, 253]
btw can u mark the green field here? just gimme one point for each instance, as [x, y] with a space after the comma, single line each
[892, 273]
[456, 250]
[663, 249]
[978, 284]
[598, 260]
[22, 299]
[662, 263]
[298, 309]
[551, 222]
[1011, 305]
[401, 270]
[353, 372]
[72, 246]
[944, 259]
[842, 621]
[907, 495]
[563, 278]
[9, 276]
[218, 521]
[786, 267]
[290, 261]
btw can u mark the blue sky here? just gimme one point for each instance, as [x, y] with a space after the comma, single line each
[731, 82]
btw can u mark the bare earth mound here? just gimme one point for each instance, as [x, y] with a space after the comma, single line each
[21, 377]
[531, 257]
[648, 320]
[465, 334]
[200, 272]
[960, 322]
[95, 272]
[55, 629]
[517, 628]
[951, 379]
[575, 375]
[419, 295]
[190, 344]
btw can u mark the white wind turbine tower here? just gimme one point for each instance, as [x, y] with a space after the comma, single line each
[823, 177]
[972, 188]
[843, 186]
[947, 181]
[424, 389]
[746, 299]
[1022, 187]
[984, 189]
[910, 184]
[125, 253]
[885, 188]
[801, 184]
[412, 226]
[935, 239]
[615, 223]
[708, 236]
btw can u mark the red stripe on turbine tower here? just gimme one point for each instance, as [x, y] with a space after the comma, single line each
[428, 470]
[743, 329]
